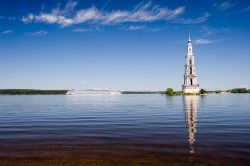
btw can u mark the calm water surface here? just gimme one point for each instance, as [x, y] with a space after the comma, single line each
[62, 125]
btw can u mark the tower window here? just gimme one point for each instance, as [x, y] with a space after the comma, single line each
[191, 82]
[190, 62]
[190, 70]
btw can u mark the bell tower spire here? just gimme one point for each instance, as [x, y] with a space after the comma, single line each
[189, 39]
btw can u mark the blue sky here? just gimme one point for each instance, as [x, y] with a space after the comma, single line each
[123, 44]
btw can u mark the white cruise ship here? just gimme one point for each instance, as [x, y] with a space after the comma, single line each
[93, 92]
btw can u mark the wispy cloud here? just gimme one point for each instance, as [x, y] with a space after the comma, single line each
[78, 30]
[143, 12]
[69, 7]
[203, 41]
[208, 30]
[143, 28]
[198, 20]
[105, 4]
[209, 41]
[246, 9]
[7, 32]
[40, 33]
[135, 28]
[224, 5]
[11, 18]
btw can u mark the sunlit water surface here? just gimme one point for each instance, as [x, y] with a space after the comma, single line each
[190, 125]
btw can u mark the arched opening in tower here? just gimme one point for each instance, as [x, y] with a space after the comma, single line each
[191, 82]
[190, 70]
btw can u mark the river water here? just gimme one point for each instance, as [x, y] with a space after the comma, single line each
[133, 129]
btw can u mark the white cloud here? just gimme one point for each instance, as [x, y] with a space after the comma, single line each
[85, 15]
[134, 28]
[224, 5]
[29, 18]
[203, 41]
[86, 29]
[7, 32]
[80, 30]
[56, 16]
[105, 4]
[40, 33]
[144, 12]
[198, 20]
[143, 28]
[246, 9]
[208, 30]
[208, 41]
[69, 7]
[8, 18]
[49, 18]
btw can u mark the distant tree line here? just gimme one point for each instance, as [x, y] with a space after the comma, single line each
[31, 92]
[239, 90]
[235, 90]
[171, 92]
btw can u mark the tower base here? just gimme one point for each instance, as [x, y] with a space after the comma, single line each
[194, 89]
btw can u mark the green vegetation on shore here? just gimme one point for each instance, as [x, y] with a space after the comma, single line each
[171, 92]
[235, 90]
[239, 90]
[218, 91]
[203, 92]
[31, 92]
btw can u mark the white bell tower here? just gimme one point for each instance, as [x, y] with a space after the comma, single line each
[190, 81]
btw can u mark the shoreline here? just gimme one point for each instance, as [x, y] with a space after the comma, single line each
[63, 92]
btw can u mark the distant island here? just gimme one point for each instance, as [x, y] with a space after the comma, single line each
[31, 92]
[169, 92]
[60, 92]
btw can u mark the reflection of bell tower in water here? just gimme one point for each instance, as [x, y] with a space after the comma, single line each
[191, 108]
